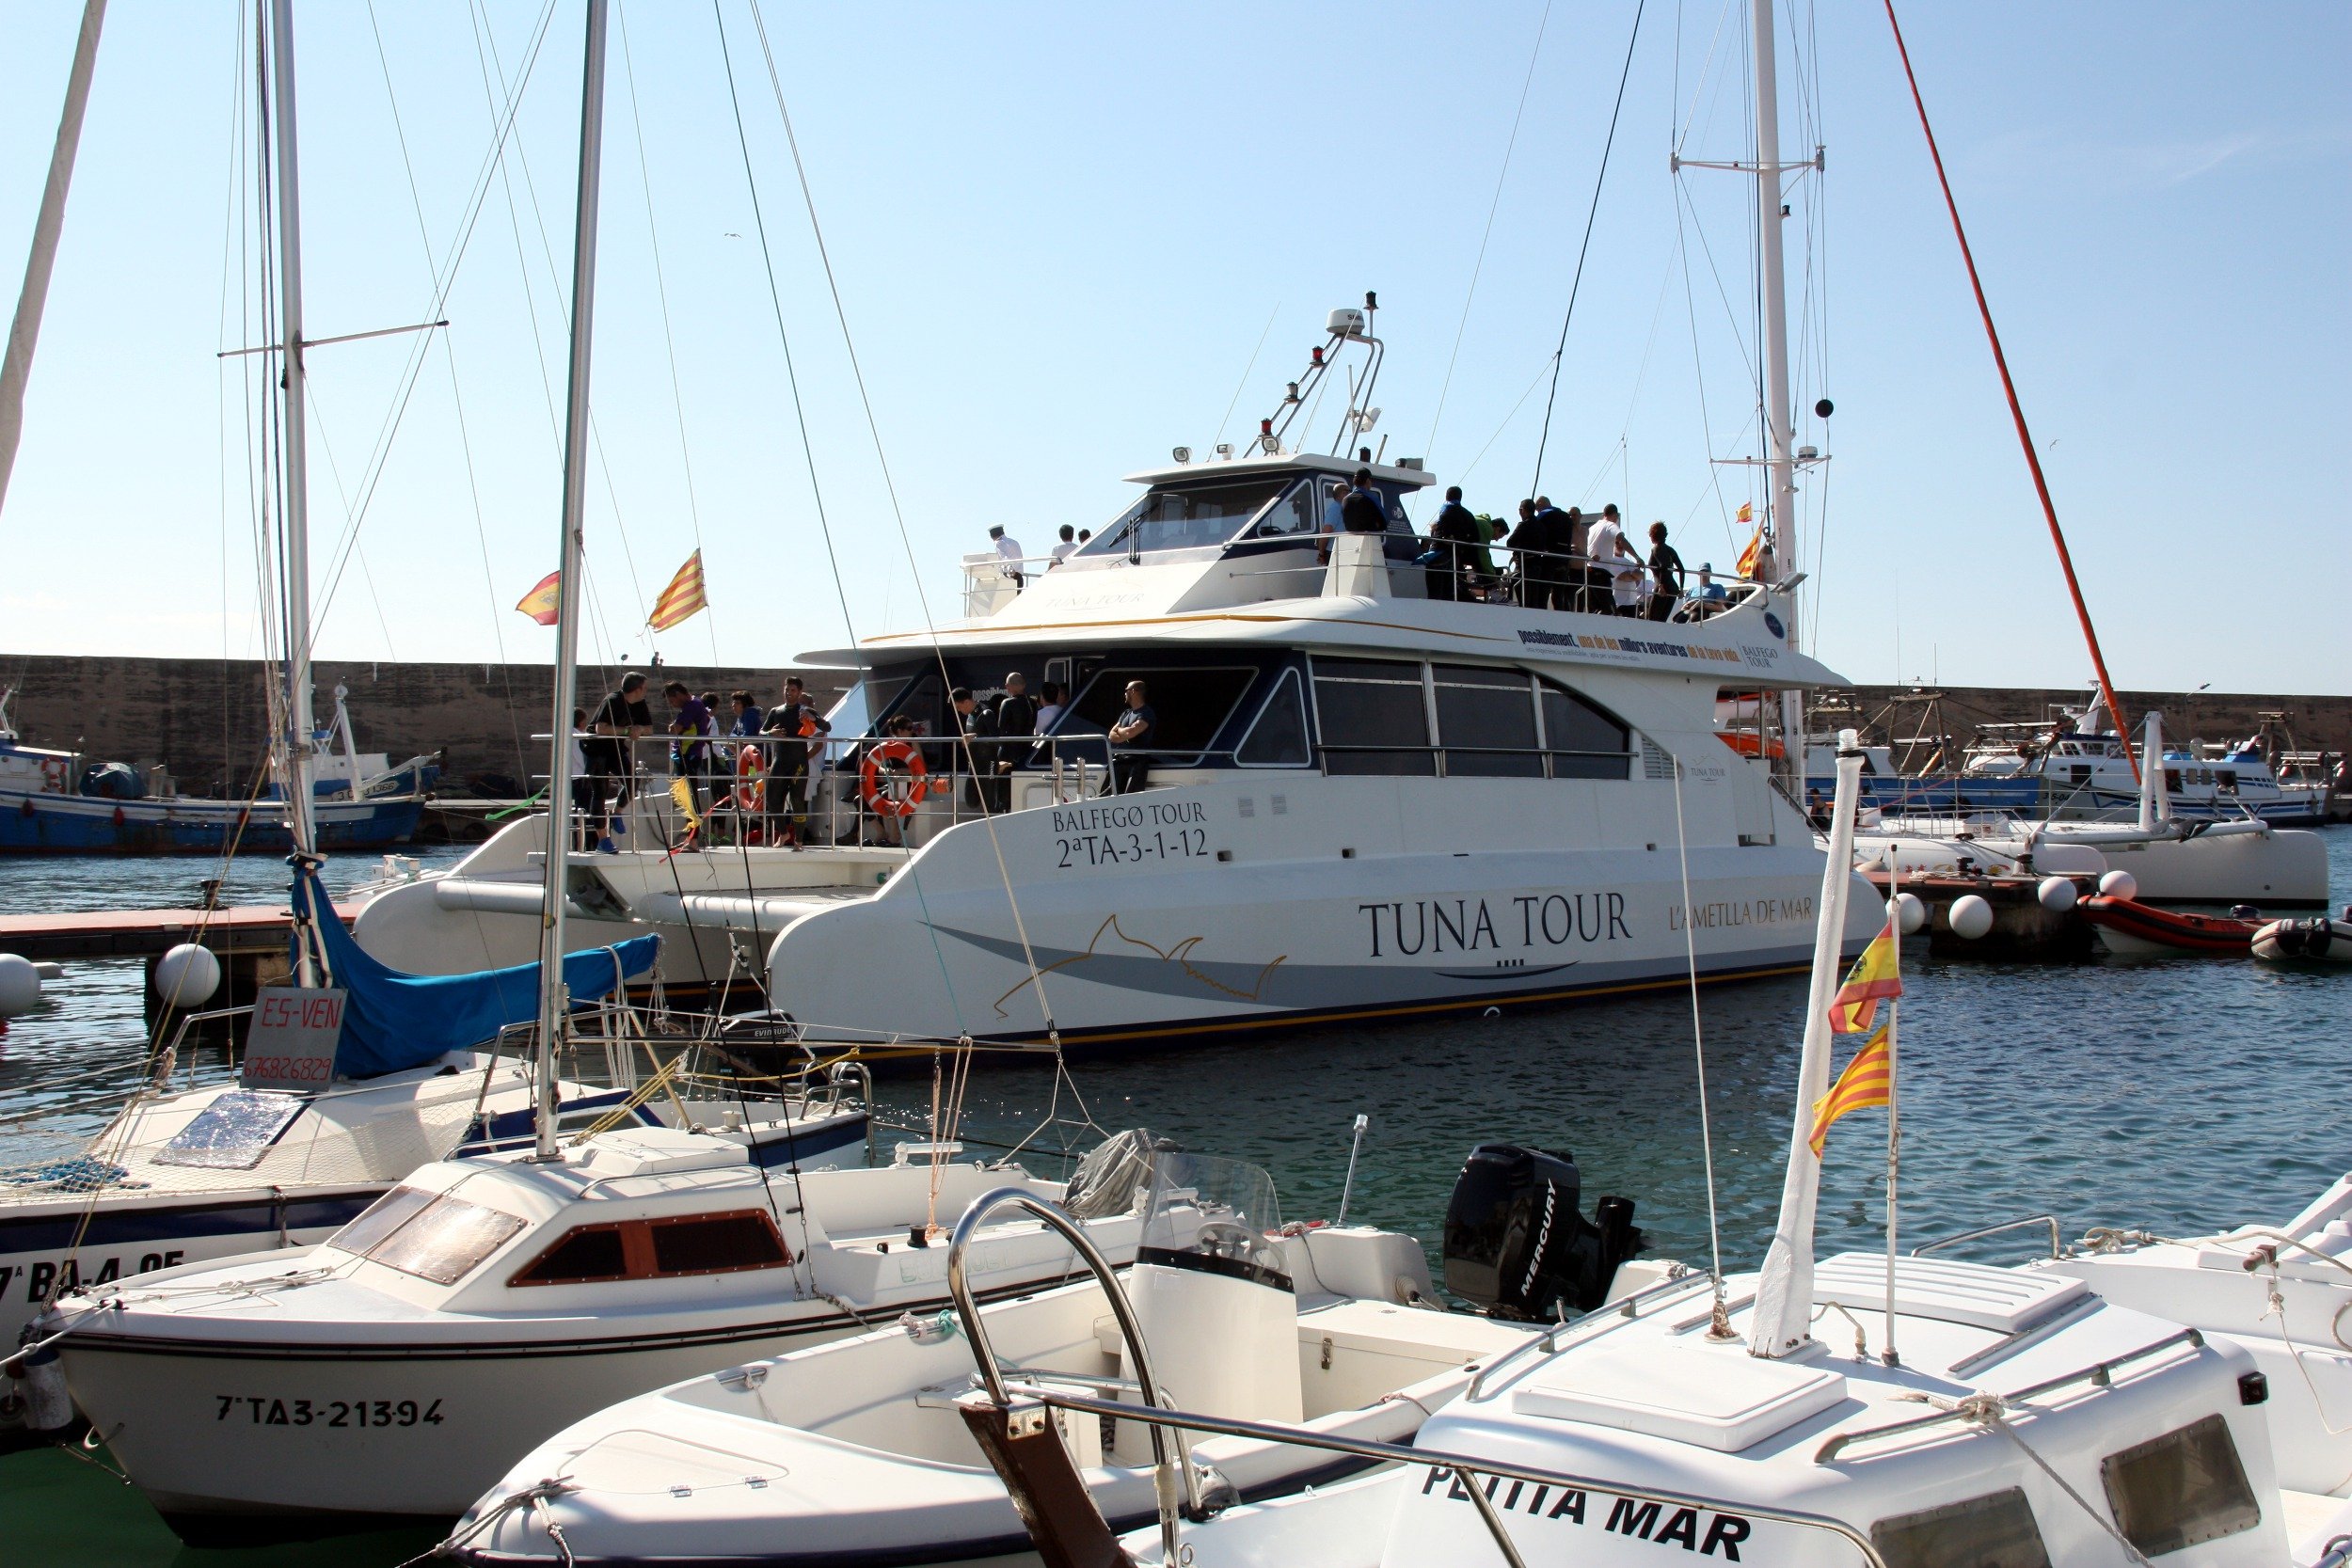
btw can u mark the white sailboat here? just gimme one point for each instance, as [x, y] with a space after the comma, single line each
[860, 1450]
[191, 1171]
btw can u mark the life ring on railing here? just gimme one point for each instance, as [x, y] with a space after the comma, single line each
[52, 775]
[751, 779]
[875, 788]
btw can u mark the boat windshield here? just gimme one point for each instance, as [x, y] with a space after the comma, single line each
[435, 1237]
[1212, 1208]
[1204, 514]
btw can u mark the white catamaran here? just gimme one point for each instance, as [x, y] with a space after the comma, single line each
[1356, 801]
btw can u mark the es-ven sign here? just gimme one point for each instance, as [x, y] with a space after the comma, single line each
[291, 1044]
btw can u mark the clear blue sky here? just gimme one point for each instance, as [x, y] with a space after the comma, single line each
[1060, 233]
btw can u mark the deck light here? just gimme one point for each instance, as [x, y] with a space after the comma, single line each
[1291, 395]
[1225, 449]
[1184, 455]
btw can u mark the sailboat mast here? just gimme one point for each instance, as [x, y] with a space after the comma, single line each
[554, 997]
[1780, 460]
[295, 773]
[16, 367]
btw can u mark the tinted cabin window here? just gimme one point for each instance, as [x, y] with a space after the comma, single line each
[1375, 717]
[1277, 736]
[1192, 517]
[1997, 1531]
[1486, 722]
[589, 1252]
[2181, 1489]
[720, 1243]
[1584, 742]
[1189, 706]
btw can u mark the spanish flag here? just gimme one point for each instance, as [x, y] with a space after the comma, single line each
[1868, 1081]
[1747, 512]
[1749, 556]
[1875, 974]
[682, 598]
[540, 603]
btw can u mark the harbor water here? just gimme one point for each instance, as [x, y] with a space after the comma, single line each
[2171, 1094]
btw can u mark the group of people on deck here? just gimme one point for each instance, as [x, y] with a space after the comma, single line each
[1564, 561]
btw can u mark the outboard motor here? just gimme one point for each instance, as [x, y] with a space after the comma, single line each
[1517, 1246]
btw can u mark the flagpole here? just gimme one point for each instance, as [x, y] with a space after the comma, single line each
[1894, 1100]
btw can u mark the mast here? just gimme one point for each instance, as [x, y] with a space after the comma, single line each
[554, 996]
[1780, 461]
[1784, 1291]
[17, 368]
[295, 772]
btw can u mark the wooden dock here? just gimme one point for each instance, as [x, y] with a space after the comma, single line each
[147, 933]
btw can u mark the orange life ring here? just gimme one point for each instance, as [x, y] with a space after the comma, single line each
[874, 789]
[751, 785]
[52, 775]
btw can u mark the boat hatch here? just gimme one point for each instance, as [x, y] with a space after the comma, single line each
[234, 1132]
[657, 1152]
[1713, 1397]
[1948, 1290]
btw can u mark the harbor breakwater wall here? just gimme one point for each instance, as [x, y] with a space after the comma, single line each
[205, 720]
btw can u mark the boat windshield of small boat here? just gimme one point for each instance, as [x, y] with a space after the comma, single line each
[857, 1451]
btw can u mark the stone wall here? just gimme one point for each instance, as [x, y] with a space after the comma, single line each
[206, 719]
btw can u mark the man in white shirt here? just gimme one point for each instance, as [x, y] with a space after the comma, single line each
[1069, 543]
[1051, 710]
[1008, 551]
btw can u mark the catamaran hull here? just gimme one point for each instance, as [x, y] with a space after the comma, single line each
[1211, 908]
[47, 823]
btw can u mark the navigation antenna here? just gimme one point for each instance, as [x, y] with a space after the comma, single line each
[1346, 324]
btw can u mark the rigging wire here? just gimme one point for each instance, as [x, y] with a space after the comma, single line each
[1698, 1055]
[1037, 978]
[1534, 53]
[800, 415]
[1536, 485]
[662, 293]
[1227, 417]
[2016, 409]
[465, 437]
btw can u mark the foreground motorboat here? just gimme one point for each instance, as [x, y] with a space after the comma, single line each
[1983, 1414]
[2278, 1293]
[854, 1451]
[405, 1363]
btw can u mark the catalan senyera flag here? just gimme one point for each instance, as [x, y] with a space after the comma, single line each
[540, 603]
[1868, 1080]
[682, 598]
[1749, 556]
[1876, 974]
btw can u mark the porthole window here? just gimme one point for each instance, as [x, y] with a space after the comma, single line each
[2180, 1490]
[1997, 1531]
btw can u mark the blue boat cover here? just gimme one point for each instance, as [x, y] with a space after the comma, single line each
[393, 1021]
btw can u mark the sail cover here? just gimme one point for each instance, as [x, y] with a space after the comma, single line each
[393, 1021]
